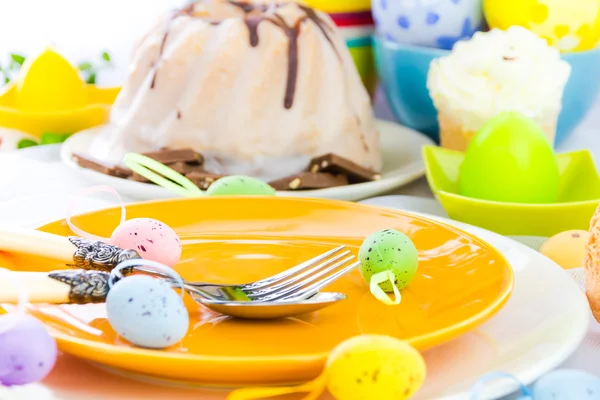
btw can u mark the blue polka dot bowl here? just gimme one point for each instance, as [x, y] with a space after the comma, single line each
[402, 71]
[430, 23]
[403, 68]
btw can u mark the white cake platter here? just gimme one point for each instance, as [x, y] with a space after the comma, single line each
[400, 146]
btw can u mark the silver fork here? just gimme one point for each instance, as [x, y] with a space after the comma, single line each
[297, 283]
[291, 292]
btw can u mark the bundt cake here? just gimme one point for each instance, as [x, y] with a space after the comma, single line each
[257, 88]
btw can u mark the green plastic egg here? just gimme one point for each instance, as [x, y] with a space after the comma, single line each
[392, 250]
[238, 185]
[510, 160]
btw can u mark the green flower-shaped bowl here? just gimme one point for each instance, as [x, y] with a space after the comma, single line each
[579, 195]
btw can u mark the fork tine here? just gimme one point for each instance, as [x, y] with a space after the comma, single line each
[294, 270]
[300, 286]
[294, 278]
[315, 287]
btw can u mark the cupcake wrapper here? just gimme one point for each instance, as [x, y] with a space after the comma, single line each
[455, 133]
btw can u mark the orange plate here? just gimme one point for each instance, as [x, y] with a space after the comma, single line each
[461, 282]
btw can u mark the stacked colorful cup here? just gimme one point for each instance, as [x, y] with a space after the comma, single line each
[355, 21]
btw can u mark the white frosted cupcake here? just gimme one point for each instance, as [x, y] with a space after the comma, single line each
[493, 72]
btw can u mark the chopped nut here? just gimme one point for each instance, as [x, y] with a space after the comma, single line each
[295, 184]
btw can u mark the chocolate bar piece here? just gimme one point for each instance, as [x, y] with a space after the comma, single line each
[309, 180]
[185, 168]
[203, 179]
[102, 167]
[171, 156]
[139, 178]
[334, 164]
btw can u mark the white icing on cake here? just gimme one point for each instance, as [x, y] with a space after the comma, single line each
[207, 86]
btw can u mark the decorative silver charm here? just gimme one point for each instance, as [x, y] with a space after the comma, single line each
[86, 286]
[99, 256]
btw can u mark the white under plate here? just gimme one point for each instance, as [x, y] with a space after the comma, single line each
[542, 323]
[400, 146]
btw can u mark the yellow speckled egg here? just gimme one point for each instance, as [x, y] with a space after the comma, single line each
[569, 25]
[567, 249]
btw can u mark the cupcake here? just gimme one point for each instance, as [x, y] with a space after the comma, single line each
[493, 72]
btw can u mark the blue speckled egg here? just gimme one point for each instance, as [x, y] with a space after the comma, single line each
[429, 23]
[147, 312]
[567, 384]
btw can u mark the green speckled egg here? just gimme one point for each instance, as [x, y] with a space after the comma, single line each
[237, 185]
[389, 249]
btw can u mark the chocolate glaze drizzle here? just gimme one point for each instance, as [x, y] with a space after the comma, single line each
[187, 10]
[253, 22]
[292, 33]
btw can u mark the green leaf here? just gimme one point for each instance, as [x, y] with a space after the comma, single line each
[6, 79]
[106, 56]
[85, 66]
[53, 138]
[24, 143]
[17, 58]
[91, 78]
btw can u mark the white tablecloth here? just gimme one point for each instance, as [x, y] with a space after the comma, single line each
[35, 186]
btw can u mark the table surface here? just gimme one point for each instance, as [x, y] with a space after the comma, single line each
[38, 193]
[26, 201]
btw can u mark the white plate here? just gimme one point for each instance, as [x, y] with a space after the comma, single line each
[401, 150]
[542, 323]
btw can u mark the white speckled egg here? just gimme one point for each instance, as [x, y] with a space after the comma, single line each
[567, 384]
[147, 312]
[429, 23]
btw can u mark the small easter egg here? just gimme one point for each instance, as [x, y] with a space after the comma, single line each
[568, 25]
[392, 250]
[147, 312]
[27, 351]
[510, 160]
[374, 367]
[430, 23]
[567, 384]
[152, 239]
[237, 185]
[567, 249]
[49, 83]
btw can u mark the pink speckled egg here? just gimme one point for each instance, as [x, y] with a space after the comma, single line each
[152, 239]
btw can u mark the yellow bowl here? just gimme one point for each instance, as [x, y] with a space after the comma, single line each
[579, 195]
[340, 6]
[68, 121]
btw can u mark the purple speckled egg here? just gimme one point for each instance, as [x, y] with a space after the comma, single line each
[27, 351]
[152, 239]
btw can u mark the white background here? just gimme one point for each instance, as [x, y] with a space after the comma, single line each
[81, 29]
[78, 29]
